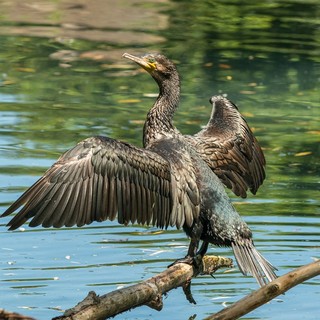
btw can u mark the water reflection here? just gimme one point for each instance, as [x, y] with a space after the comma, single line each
[63, 79]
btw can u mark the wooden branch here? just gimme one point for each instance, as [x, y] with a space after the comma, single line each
[7, 315]
[148, 292]
[268, 292]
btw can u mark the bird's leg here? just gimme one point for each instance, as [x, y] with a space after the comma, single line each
[194, 232]
[192, 250]
[190, 257]
[203, 249]
[194, 256]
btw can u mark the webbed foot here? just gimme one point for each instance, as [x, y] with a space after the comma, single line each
[186, 259]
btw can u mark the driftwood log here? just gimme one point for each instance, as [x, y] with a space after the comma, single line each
[148, 292]
[7, 315]
[268, 292]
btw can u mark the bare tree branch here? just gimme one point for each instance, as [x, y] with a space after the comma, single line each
[268, 292]
[148, 292]
[7, 315]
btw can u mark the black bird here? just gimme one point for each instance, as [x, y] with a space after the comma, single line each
[173, 181]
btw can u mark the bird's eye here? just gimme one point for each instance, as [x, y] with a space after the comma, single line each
[152, 63]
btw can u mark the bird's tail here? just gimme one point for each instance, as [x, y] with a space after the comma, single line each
[250, 261]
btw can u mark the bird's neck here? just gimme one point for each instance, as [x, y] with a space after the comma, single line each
[159, 119]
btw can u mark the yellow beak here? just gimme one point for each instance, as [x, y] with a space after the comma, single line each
[141, 61]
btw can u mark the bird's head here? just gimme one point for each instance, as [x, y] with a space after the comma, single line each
[159, 67]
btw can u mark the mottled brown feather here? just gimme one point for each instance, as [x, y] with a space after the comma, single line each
[230, 149]
[101, 178]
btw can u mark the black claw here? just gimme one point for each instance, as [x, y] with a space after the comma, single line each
[187, 291]
[186, 259]
[196, 262]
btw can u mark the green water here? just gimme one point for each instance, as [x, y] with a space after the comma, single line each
[62, 79]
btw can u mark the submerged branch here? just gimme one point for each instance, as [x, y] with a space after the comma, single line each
[148, 292]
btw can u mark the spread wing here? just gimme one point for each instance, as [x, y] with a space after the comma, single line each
[185, 191]
[230, 149]
[101, 178]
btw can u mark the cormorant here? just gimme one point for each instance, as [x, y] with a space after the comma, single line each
[175, 180]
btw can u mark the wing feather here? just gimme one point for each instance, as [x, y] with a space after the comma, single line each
[53, 205]
[112, 200]
[101, 178]
[98, 179]
[185, 190]
[80, 208]
[98, 187]
[133, 204]
[230, 149]
[62, 210]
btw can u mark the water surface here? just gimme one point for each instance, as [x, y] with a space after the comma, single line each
[63, 79]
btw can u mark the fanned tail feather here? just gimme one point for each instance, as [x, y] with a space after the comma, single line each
[250, 261]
